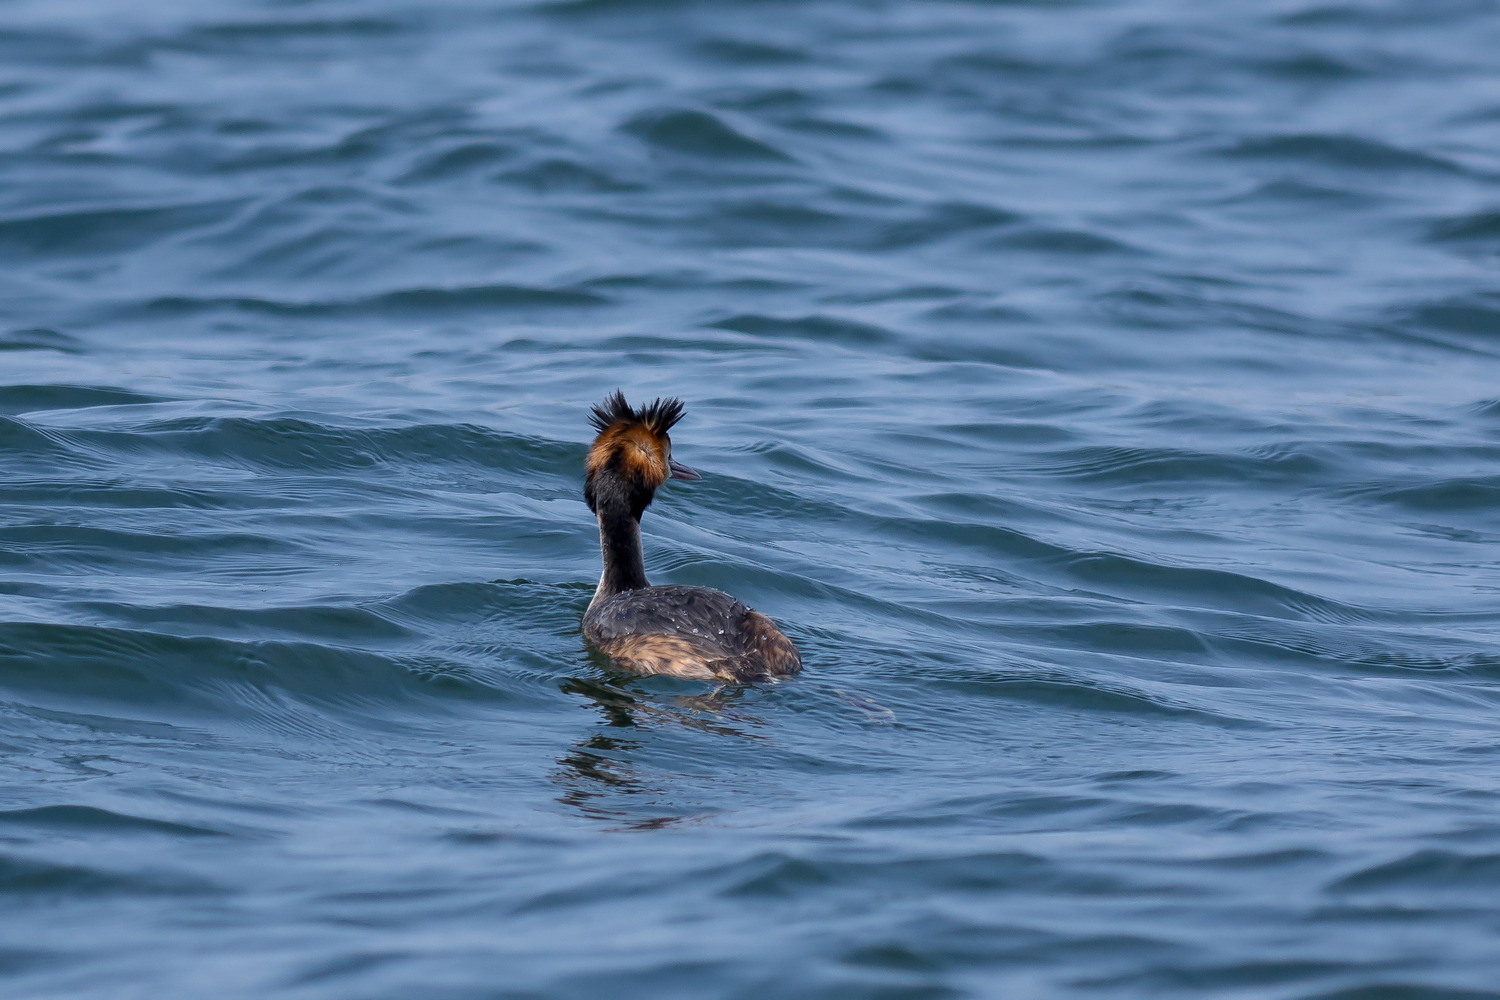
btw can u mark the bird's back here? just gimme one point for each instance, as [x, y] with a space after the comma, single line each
[695, 632]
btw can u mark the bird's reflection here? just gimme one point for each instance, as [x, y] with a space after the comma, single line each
[598, 770]
[613, 700]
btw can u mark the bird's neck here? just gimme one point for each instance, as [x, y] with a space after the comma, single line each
[620, 545]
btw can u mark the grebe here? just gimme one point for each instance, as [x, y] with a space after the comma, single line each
[694, 632]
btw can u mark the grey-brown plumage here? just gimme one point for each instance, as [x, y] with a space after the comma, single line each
[694, 632]
[689, 632]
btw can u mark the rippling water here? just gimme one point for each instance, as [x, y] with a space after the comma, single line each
[1102, 395]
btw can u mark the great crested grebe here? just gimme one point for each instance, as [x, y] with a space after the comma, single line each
[694, 632]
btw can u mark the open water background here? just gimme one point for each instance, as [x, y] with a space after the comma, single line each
[1102, 394]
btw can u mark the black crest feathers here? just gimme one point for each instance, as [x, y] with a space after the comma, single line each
[657, 416]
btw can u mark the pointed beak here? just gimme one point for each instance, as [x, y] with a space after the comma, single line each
[680, 471]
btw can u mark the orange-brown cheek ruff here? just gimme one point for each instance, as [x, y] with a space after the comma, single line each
[634, 452]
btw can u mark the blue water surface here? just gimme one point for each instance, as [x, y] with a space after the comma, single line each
[1103, 395]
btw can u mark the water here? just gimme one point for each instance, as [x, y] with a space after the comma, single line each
[1102, 395]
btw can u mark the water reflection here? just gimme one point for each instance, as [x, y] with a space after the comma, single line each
[598, 776]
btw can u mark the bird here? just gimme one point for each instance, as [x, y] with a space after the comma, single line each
[692, 632]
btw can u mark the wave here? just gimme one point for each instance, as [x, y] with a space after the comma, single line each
[410, 301]
[1428, 869]
[1066, 241]
[73, 667]
[1385, 988]
[1476, 315]
[1349, 151]
[558, 174]
[700, 133]
[774, 874]
[465, 158]
[1474, 227]
[846, 220]
[817, 329]
[91, 819]
[232, 34]
[331, 624]
[16, 399]
[1079, 695]
[106, 230]
[1160, 305]
[1476, 494]
[22, 878]
[28, 448]
[40, 339]
[295, 444]
[749, 52]
[1264, 468]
